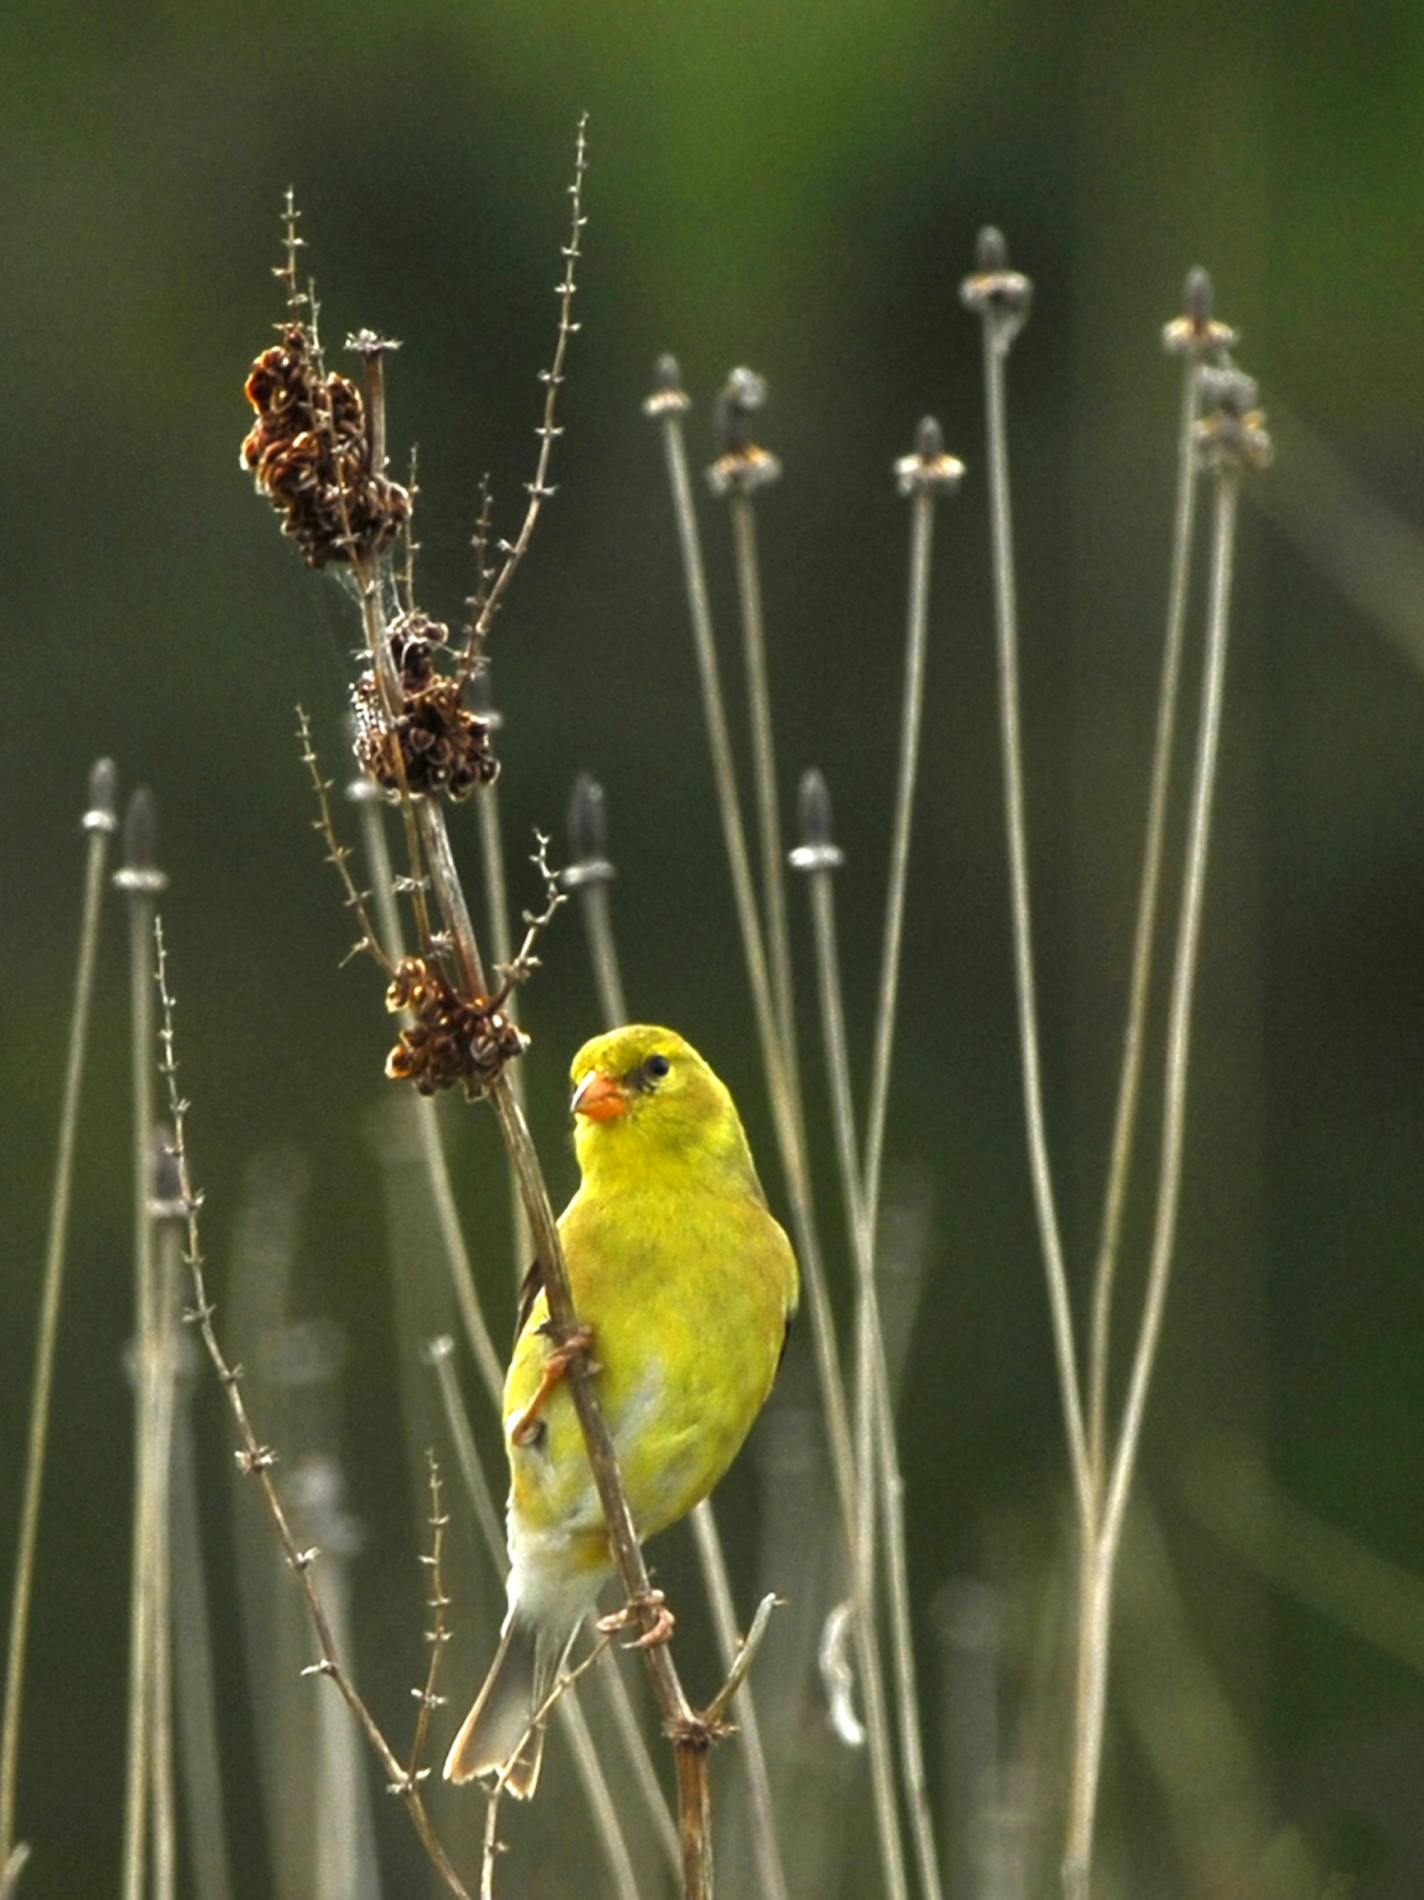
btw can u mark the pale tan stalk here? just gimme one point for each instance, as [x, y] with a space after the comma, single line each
[1095, 1636]
[141, 881]
[668, 404]
[100, 822]
[818, 858]
[1144, 934]
[1002, 307]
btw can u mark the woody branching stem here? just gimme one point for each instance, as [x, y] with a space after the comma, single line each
[258, 1460]
[100, 822]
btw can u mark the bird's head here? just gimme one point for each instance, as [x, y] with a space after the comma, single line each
[641, 1091]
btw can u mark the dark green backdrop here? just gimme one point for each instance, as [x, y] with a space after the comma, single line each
[796, 187]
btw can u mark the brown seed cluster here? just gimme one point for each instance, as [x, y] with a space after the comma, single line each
[451, 1040]
[436, 744]
[310, 452]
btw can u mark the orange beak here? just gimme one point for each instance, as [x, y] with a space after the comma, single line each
[600, 1097]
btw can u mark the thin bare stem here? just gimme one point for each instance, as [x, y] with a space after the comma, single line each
[438, 1634]
[1096, 1636]
[552, 378]
[258, 1461]
[668, 405]
[199, 1752]
[100, 822]
[161, 1405]
[440, 1355]
[496, 885]
[818, 857]
[773, 867]
[141, 881]
[1144, 935]
[442, 1193]
[1000, 324]
[589, 876]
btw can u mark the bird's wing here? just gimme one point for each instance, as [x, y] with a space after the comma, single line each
[530, 1287]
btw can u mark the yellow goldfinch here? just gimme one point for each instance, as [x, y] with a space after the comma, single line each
[687, 1285]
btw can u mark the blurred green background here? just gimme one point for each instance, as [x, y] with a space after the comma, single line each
[795, 187]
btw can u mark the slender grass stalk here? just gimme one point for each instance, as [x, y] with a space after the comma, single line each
[668, 404]
[141, 880]
[199, 1753]
[1001, 297]
[439, 1354]
[740, 472]
[591, 875]
[1095, 1637]
[819, 857]
[1192, 335]
[924, 476]
[168, 1275]
[100, 822]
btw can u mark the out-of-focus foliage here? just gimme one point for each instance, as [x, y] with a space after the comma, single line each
[795, 187]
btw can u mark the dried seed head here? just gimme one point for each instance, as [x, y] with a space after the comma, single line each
[1196, 332]
[928, 468]
[435, 744]
[668, 395]
[451, 1039]
[588, 836]
[1232, 433]
[140, 873]
[103, 810]
[817, 851]
[741, 466]
[310, 454]
[1000, 295]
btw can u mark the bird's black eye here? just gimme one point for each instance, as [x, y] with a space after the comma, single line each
[656, 1067]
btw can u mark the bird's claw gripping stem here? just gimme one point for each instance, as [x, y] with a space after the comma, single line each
[656, 1635]
[556, 1365]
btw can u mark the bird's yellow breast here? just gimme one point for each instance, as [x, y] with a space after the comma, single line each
[687, 1287]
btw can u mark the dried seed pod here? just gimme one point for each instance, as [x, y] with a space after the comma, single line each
[452, 1038]
[435, 744]
[310, 454]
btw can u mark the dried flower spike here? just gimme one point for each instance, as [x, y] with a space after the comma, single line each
[435, 744]
[929, 467]
[741, 465]
[1232, 433]
[310, 454]
[668, 395]
[1197, 332]
[451, 1039]
[995, 292]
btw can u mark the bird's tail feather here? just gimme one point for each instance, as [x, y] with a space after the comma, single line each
[521, 1677]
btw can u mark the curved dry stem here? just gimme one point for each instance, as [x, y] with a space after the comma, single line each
[1006, 618]
[1144, 936]
[1095, 1636]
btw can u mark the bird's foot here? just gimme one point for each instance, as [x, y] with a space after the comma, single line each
[659, 1631]
[526, 1423]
